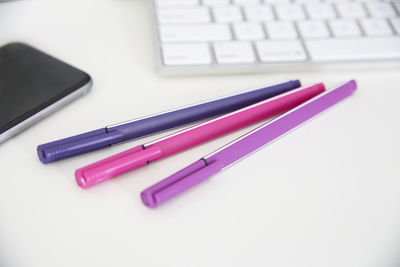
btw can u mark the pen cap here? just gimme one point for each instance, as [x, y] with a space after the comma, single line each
[74, 145]
[115, 165]
[179, 182]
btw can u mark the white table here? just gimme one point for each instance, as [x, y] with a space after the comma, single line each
[327, 194]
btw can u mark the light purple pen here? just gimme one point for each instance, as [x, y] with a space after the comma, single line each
[243, 146]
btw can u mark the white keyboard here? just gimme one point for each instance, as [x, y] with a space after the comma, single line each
[257, 35]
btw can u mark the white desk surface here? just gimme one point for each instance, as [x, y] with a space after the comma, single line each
[326, 195]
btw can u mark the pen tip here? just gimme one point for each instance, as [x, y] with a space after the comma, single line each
[41, 155]
[147, 199]
[353, 84]
[80, 179]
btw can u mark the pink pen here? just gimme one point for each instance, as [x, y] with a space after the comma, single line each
[144, 154]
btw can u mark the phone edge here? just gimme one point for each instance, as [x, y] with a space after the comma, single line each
[20, 127]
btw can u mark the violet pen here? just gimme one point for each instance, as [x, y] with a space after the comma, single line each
[244, 146]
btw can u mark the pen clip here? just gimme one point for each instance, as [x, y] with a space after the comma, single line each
[179, 182]
[74, 145]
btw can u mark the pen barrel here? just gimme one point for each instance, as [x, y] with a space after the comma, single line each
[115, 165]
[198, 112]
[244, 146]
[179, 182]
[193, 136]
[121, 132]
[281, 125]
[239, 119]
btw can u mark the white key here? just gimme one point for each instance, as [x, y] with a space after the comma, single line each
[280, 30]
[344, 28]
[186, 54]
[183, 15]
[215, 2]
[276, 1]
[246, 2]
[381, 10]
[234, 53]
[290, 12]
[351, 10]
[195, 33]
[175, 3]
[354, 48]
[258, 13]
[281, 51]
[248, 31]
[307, 1]
[397, 6]
[313, 29]
[376, 27]
[227, 14]
[396, 24]
[321, 11]
[337, 1]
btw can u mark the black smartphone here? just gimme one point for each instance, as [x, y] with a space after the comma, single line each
[34, 85]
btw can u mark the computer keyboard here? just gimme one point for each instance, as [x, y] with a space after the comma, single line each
[256, 35]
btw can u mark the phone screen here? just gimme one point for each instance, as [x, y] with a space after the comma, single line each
[30, 81]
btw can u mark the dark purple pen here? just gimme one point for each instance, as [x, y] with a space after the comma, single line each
[121, 132]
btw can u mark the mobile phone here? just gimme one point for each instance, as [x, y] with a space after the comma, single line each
[34, 85]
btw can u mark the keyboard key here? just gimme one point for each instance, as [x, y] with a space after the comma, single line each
[248, 31]
[381, 10]
[195, 33]
[281, 51]
[215, 2]
[397, 6]
[313, 29]
[307, 1]
[281, 30]
[234, 53]
[396, 24]
[246, 2]
[354, 49]
[233, 32]
[258, 13]
[227, 14]
[337, 1]
[376, 27]
[345, 28]
[321, 11]
[276, 1]
[174, 3]
[290, 12]
[186, 54]
[183, 15]
[351, 10]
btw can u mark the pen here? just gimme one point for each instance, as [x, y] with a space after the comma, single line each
[171, 144]
[243, 146]
[114, 134]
